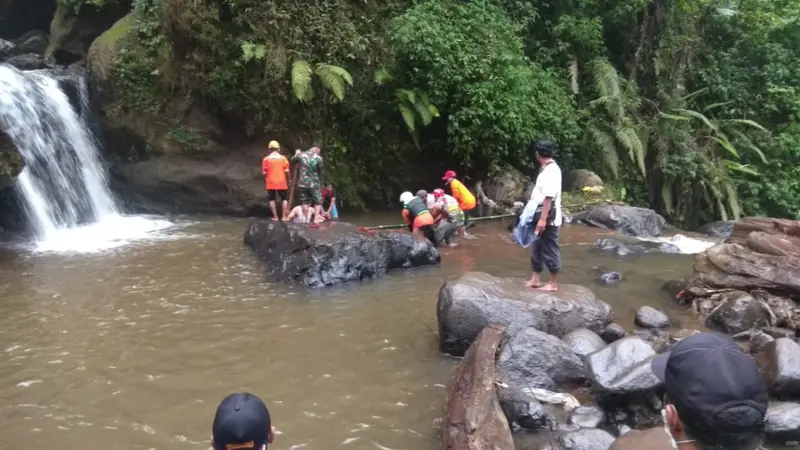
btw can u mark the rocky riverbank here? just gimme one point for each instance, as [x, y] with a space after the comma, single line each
[554, 371]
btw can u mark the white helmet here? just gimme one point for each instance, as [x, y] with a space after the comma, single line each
[406, 197]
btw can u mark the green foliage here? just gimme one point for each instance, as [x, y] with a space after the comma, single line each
[469, 59]
[334, 78]
[77, 5]
[185, 138]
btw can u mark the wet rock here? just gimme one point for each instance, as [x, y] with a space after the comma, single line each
[778, 332]
[783, 421]
[474, 419]
[587, 416]
[583, 341]
[610, 278]
[733, 312]
[506, 186]
[29, 61]
[622, 368]
[34, 41]
[521, 410]
[682, 333]
[468, 304]
[71, 33]
[649, 317]
[585, 439]
[534, 359]
[576, 180]
[779, 362]
[623, 429]
[674, 287]
[104, 49]
[758, 341]
[619, 248]
[722, 228]
[613, 332]
[333, 253]
[6, 49]
[658, 338]
[629, 220]
[666, 247]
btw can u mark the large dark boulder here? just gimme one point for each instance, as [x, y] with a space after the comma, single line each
[476, 299]
[634, 247]
[534, 359]
[629, 220]
[722, 228]
[506, 186]
[576, 180]
[334, 252]
[733, 312]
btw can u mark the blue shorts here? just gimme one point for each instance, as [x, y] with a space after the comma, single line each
[334, 212]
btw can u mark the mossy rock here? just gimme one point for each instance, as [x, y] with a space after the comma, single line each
[11, 163]
[104, 50]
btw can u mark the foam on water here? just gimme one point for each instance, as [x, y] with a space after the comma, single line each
[686, 245]
[109, 232]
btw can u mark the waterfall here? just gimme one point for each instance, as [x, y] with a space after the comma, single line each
[64, 184]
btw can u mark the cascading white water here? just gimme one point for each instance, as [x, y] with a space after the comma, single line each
[64, 184]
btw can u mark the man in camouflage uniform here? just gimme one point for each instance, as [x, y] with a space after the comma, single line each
[309, 177]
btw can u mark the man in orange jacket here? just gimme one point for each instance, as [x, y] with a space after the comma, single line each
[275, 168]
[465, 198]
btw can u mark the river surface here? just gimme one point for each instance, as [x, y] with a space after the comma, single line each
[133, 347]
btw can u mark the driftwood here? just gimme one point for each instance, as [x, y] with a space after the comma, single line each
[482, 198]
[474, 419]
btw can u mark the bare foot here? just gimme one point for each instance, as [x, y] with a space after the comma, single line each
[549, 287]
[274, 219]
[534, 282]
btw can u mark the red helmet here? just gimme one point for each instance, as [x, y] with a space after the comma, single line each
[438, 193]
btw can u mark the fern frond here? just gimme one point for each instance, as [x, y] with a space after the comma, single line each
[334, 78]
[382, 76]
[751, 123]
[404, 95]
[423, 110]
[431, 107]
[605, 143]
[733, 201]
[301, 80]
[607, 81]
[626, 135]
[573, 75]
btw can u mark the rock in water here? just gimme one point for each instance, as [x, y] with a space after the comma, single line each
[733, 312]
[587, 416]
[586, 439]
[613, 332]
[476, 299]
[521, 410]
[583, 342]
[610, 278]
[722, 228]
[783, 421]
[333, 253]
[779, 362]
[649, 317]
[629, 220]
[622, 368]
[533, 359]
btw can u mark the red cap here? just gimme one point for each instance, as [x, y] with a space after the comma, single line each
[449, 174]
[438, 193]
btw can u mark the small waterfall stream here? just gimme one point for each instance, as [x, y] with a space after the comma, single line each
[64, 186]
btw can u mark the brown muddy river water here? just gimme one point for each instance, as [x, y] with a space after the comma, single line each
[133, 347]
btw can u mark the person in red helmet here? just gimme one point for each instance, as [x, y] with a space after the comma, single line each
[454, 217]
[465, 198]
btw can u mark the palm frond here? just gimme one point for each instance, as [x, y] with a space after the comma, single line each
[697, 115]
[301, 80]
[733, 201]
[750, 123]
[605, 143]
[334, 78]
[718, 198]
[667, 199]
[726, 144]
[716, 105]
[424, 112]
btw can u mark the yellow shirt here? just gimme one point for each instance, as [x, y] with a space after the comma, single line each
[465, 199]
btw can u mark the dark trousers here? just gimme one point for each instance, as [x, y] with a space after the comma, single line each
[444, 231]
[546, 251]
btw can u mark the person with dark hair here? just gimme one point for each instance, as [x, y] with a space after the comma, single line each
[715, 398]
[242, 422]
[329, 210]
[546, 201]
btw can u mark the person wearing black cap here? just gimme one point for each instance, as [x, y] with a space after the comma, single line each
[715, 397]
[546, 198]
[242, 422]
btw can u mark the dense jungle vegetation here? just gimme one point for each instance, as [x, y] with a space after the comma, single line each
[691, 106]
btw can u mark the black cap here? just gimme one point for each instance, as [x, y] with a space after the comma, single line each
[544, 148]
[242, 422]
[716, 388]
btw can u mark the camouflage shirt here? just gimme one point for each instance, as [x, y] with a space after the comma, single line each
[310, 169]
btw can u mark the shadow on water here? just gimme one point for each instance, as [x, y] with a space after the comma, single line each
[133, 347]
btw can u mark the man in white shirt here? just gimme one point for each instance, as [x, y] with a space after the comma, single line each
[547, 196]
